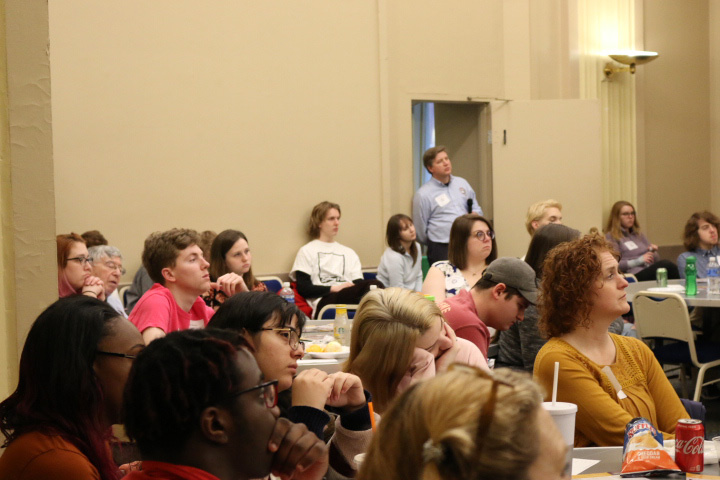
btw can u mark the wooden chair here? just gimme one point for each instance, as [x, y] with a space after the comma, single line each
[664, 316]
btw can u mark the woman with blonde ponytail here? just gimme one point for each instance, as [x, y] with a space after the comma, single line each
[467, 424]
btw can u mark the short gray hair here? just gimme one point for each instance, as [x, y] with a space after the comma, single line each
[99, 251]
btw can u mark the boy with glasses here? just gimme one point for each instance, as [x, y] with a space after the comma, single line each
[198, 407]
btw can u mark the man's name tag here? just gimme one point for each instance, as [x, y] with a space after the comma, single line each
[442, 200]
[630, 245]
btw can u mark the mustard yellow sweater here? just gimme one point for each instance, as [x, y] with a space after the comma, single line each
[601, 417]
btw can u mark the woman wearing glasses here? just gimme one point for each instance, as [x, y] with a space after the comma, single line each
[272, 328]
[471, 249]
[637, 255]
[73, 369]
[611, 378]
[75, 268]
[398, 338]
[467, 425]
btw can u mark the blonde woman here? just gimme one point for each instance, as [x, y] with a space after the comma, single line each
[398, 338]
[466, 424]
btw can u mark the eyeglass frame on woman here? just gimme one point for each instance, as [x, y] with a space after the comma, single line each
[627, 214]
[82, 260]
[269, 402]
[290, 331]
[115, 354]
[488, 409]
[480, 235]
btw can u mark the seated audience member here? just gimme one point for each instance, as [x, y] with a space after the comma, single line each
[207, 237]
[398, 338]
[466, 425]
[199, 407]
[401, 265]
[326, 271]
[543, 213]
[518, 346]
[273, 328]
[175, 262]
[141, 283]
[637, 255]
[472, 248]
[439, 202]
[498, 300]
[107, 265]
[94, 238]
[611, 378]
[75, 268]
[73, 369]
[230, 252]
[701, 241]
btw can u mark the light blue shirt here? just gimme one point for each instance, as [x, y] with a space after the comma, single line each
[703, 258]
[397, 270]
[436, 206]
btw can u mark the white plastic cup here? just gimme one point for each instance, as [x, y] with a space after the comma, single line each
[716, 442]
[564, 415]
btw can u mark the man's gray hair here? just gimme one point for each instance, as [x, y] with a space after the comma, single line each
[100, 251]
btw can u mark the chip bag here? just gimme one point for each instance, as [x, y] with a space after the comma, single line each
[643, 452]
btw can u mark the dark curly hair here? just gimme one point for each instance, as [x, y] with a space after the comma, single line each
[570, 272]
[173, 379]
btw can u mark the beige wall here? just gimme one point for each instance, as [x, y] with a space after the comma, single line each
[676, 86]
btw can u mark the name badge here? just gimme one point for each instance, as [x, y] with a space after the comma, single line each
[442, 200]
[196, 324]
[630, 245]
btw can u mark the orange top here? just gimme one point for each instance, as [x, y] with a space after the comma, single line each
[39, 456]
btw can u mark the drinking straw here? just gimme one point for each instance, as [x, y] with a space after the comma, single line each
[555, 380]
[372, 416]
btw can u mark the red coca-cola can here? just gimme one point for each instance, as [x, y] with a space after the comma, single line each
[690, 445]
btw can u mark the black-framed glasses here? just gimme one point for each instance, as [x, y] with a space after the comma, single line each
[291, 334]
[628, 214]
[480, 235]
[269, 392]
[488, 409]
[115, 354]
[115, 266]
[82, 260]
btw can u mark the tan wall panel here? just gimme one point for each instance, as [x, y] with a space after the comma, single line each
[243, 115]
[676, 109]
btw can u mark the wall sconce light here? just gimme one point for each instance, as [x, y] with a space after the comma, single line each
[629, 58]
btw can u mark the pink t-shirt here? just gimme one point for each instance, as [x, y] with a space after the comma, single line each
[158, 308]
[460, 313]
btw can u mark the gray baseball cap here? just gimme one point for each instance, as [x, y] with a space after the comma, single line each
[515, 273]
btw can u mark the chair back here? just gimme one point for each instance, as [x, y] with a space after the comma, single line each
[663, 315]
[630, 277]
[272, 282]
[328, 311]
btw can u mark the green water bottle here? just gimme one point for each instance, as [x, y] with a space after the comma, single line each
[690, 276]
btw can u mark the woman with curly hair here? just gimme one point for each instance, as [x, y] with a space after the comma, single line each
[611, 378]
[466, 425]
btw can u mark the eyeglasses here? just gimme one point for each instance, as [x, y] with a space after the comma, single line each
[269, 392]
[488, 409]
[628, 214]
[291, 334]
[481, 235]
[82, 260]
[115, 354]
[115, 266]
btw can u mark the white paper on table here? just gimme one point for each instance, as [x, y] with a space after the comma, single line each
[579, 465]
[669, 288]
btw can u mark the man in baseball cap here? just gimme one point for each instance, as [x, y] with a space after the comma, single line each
[497, 300]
